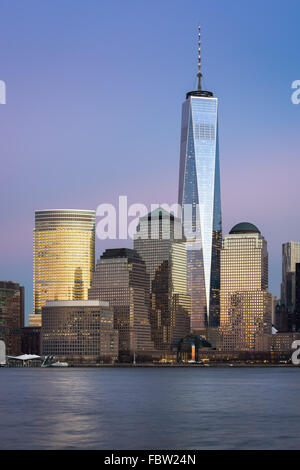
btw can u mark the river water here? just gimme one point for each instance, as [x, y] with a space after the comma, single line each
[150, 408]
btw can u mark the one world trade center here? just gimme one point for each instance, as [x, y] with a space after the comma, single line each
[200, 199]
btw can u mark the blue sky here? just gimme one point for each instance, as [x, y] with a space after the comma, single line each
[94, 94]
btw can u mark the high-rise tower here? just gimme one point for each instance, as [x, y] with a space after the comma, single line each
[290, 256]
[121, 279]
[63, 256]
[246, 304]
[199, 196]
[160, 244]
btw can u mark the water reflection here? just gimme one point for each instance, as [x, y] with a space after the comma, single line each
[149, 408]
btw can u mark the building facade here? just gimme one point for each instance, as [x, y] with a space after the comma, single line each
[245, 303]
[11, 316]
[121, 279]
[282, 342]
[290, 256]
[297, 298]
[160, 244]
[200, 199]
[79, 330]
[63, 256]
[31, 340]
[190, 346]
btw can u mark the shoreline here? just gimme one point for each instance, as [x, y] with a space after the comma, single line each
[159, 366]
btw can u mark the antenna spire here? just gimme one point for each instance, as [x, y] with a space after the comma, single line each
[199, 74]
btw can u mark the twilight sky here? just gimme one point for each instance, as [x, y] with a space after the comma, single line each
[94, 93]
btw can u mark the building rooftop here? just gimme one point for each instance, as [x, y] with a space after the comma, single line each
[244, 227]
[159, 213]
[200, 94]
[76, 303]
[65, 210]
[128, 253]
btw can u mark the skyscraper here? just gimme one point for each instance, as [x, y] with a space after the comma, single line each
[121, 279]
[11, 316]
[63, 255]
[160, 244]
[290, 256]
[246, 304]
[297, 298]
[199, 196]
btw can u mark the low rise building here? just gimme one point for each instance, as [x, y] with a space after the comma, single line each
[282, 342]
[79, 331]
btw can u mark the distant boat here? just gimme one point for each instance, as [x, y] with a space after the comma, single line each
[48, 362]
[59, 364]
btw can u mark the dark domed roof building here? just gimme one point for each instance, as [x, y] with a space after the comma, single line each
[244, 227]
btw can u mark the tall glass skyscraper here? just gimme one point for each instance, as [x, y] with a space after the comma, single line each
[199, 196]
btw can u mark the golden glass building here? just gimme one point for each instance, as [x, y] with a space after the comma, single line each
[63, 256]
[245, 303]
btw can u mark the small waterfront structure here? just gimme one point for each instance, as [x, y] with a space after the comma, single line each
[25, 360]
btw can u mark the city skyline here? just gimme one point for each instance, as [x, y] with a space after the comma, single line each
[40, 141]
[150, 243]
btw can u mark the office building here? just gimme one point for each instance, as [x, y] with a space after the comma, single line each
[63, 256]
[290, 256]
[199, 196]
[79, 331]
[282, 342]
[160, 244]
[11, 316]
[31, 340]
[297, 298]
[245, 303]
[275, 303]
[35, 320]
[121, 279]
